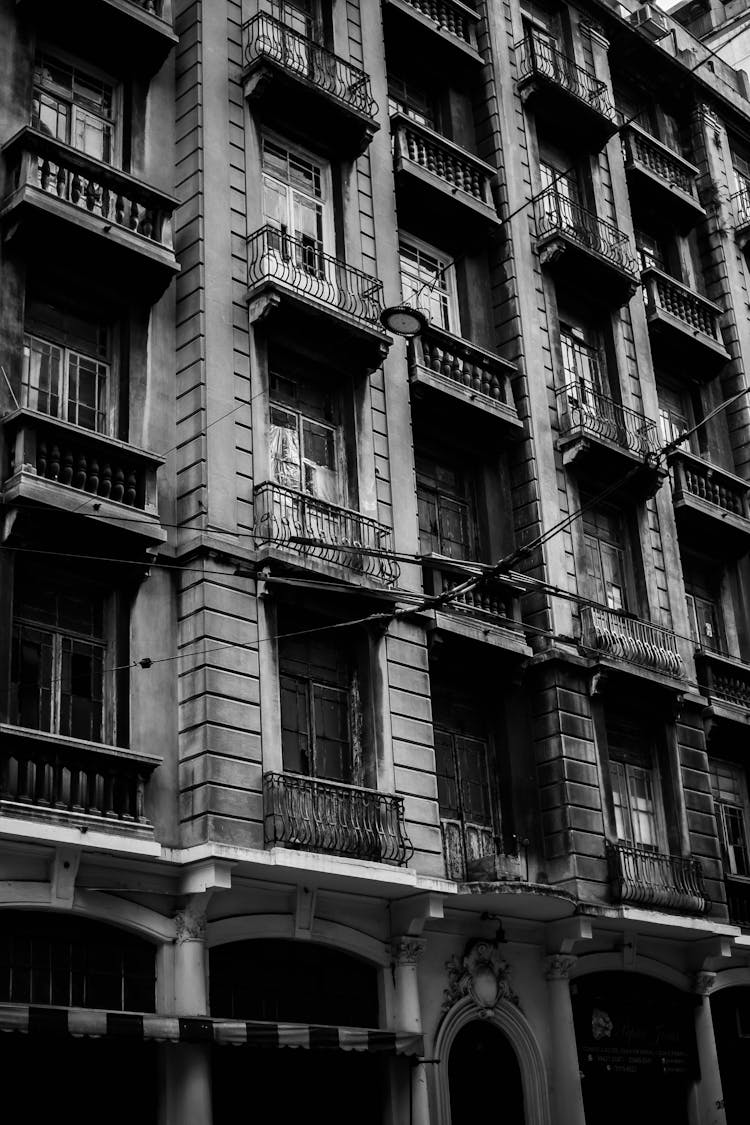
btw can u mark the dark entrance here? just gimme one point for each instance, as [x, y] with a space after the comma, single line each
[482, 1068]
[730, 1008]
[636, 1049]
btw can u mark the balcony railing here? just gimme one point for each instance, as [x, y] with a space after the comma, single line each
[265, 37]
[648, 878]
[738, 901]
[88, 186]
[587, 412]
[449, 16]
[632, 640]
[740, 205]
[724, 678]
[63, 776]
[456, 168]
[692, 476]
[316, 529]
[463, 368]
[490, 599]
[639, 148]
[538, 57]
[667, 295]
[557, 214]
[326, 816]
[299, 264]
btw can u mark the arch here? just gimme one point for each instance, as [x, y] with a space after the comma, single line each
[517, 1029]
[732, 978]
[647, 966]
[246, 927]
[100, 907]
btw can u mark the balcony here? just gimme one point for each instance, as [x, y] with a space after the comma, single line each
[584, 252]
[683, 325]
[436, 177]
[297, 529]
[327, 816]
[641, 877]
[662, 179]
[302, 293]
[564, 94]
[621, 637]
[137, 33]
[726, 682]
[491, 611]
[711, 504]
[90, 211]
[738, 901]
[464, 379]
[108, 483]
[605, 438]
[55, 778]
[447, 29]
[299, 86]
[474, 854]
[740, 207]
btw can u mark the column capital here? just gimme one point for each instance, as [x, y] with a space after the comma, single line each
[190, 919]
[407, 950]
[703, 983]
[559, 966]
[703, 115]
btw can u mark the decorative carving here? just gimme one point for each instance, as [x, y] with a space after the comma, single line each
[407, 950]
[703, 983]
[559, 966]
[190, 922]
[482, 974]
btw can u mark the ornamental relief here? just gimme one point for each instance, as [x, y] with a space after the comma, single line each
[482, 974]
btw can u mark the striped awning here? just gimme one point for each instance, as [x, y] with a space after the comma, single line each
[171, 1029]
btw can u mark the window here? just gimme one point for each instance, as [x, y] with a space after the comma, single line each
[634, 783]
[66, 370]
[299, 15]
[562, 201]
[296, 197]
[675, 415]
[703, 593]
[652, 252]
[428, 282]
[75, 107]
[58, 657]
[582, 359]
[606, 558]
[304, 440]
[320, 711]
[729, 789]
[412, 100]
[447, 518]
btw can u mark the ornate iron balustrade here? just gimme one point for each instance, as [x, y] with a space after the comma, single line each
[558, 214]
[88, 462]
[490, 598]
[586, 411]
[692, 476]
[298, 263]
[448, 15]
[740, 205]
[39, 161]
[630, 639]
[666, 294]
[537, 56]
[72, 778]
[724, 678]
[477, 371]
[649, 878]
[316, 529]
[738, 901]
[458, 169]
[327, 816]
[265, 37]
[639, 147]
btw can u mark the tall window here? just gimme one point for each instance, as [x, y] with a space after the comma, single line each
[320, 711]
[299, 15]
[304, 439]
[703, 593]
[428, 282]
[447, 520]
[634, 783]
[58, 658]
[296, 201]
[66, 369]
[675, 415]
[75, 107]
[729, 789]
[582, 357]
[606, 556]
[563, 187]
[411, 99]
[652, 251]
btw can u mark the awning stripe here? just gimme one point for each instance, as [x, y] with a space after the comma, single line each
[154, 1028]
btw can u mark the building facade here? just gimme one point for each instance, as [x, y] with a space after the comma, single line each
[286, 759]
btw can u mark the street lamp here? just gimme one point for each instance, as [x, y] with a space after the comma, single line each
[402, 320]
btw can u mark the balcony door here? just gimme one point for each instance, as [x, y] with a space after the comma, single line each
[447, 512]
[297, 208]
[607, 569]
[729, 789]
[635, 784]
[562, 201]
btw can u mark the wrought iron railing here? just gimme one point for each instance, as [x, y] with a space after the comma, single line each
[740, 205]
[649, 878]
[69, 778]
[274, 255]
[641, 148]
[724, 678]
[665, 294]
[265, 37]
[470, 367]
[556, 214]
[692, 476]
[87, 462]
[458, 169]
[738, 901]
[586, 411]
[39, 161]
[327, 816]
[538, 57]
[448, 15]
[630, 639]
[316, 529]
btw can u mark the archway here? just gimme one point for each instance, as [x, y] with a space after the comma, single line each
[730, 1009]
[482, 1059]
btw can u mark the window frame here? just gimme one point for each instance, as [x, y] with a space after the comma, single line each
[467, 501]
[85, 70]
[645, 760]
[449, 319]
[720, 806]
[623, 548]
[325, 202]
[102, 376]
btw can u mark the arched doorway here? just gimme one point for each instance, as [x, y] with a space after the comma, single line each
[481, 1061]
[285, 983]
[730, 1009]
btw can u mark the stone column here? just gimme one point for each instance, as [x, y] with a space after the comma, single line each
[187, 1066]
[565, 1095]
[407, 1016]
[709, 1093]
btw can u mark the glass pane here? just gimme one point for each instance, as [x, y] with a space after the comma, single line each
[613, 571]
[333, 757]
[87, 381]
[475, 794]
[446, 776]
[429, 534]
[31, 678]
[41, 376]
[735, 839]
[81, 689]
[275, 203]
[319, 461]
[642, 809]
[295, 725]
[284, 447]
[425, 282]
[92, 135]
[51, 116]
[620, 799]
